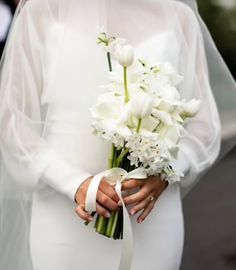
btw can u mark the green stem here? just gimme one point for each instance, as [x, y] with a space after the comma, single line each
[110, 224]
[139, 125]
[111, 160]
[121, 156]
[126, 85]
[101, 225]
[109, 61]
[114, 225]
[112, 157]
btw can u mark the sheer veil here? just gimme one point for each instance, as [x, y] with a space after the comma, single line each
[23, 114]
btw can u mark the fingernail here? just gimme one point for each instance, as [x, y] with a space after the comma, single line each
[107, 215]
[90, 219]
[140, 220]
[120, 203]
[132, 212]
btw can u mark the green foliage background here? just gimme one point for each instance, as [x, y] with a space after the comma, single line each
[220, 17]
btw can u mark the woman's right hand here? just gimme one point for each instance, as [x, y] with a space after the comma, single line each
[107, 199]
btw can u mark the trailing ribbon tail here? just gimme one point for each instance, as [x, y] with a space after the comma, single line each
[116, 176]
[127, 244]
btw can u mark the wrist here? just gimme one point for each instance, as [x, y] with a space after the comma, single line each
[82, 189]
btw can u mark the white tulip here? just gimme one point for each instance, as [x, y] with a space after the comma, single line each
[124, 55]
[141, 105]
[190, 108]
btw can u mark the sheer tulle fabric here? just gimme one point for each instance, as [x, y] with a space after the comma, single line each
[35, 54]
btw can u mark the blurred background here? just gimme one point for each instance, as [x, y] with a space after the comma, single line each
[7, 8]
[210, 208]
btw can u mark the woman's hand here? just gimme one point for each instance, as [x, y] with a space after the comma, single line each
[145, 198]
[107, 199]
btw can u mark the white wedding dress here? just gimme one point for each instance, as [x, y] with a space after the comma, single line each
[59, 239]
[73, 69]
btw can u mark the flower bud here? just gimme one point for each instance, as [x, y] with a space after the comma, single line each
[124, 55]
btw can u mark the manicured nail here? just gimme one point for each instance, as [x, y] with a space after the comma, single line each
[107, 215]
[140, 220]
[132, 212]
[90, 219]
[120, 203]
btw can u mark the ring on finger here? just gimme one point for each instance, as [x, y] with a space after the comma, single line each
[151, 198]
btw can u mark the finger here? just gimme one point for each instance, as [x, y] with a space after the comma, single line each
[146, 212]
[131, 184]
[102, 211]
[109, 191]
[82, 213]
[106, 201]
[139, 206]
[137, 197]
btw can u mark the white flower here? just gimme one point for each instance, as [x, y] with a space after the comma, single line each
[124, 55]
[163, 116]
[107, 107]
[160, 88]
[168, 70]
[135, 78]
[190, 108]
[150, 124]
[141, 105]
[109, 43]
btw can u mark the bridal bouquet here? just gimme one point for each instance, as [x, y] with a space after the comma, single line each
[142, 114]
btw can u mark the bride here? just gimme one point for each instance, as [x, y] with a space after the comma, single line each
[50, 77]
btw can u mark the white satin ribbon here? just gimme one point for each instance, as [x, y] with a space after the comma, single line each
[116, 176]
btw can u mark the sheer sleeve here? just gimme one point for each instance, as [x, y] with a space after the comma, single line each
[26, 155]
[200, 147]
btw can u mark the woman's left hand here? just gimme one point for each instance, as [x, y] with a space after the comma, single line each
[145, 198]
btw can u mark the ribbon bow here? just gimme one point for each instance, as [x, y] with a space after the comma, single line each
[116, 176]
